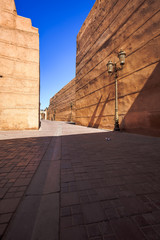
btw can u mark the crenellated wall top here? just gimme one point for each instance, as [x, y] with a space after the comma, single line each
[10, 19]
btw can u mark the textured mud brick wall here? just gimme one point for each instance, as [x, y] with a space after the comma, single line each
[134, 26]
[19, 66]
[60, 104]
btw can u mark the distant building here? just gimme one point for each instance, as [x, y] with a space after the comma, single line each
[43, 114]
[19, 68]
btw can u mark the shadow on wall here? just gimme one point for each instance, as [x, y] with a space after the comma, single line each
[91, 123]
[97, 122]
[144, 115]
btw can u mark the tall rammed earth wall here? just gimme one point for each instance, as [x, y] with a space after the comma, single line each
[60, 104]
[19, 67]
[134, 26]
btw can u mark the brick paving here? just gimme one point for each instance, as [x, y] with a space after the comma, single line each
[109, 190]
[19, 159]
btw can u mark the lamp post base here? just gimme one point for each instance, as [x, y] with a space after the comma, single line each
[71, 122]
[116, 126]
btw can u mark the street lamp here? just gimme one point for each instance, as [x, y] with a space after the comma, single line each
[54, 115]
[71, 105]
[112, 68]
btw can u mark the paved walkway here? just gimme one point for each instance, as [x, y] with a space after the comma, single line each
[70, 182]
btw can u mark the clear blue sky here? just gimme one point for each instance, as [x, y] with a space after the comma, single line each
[59, 23]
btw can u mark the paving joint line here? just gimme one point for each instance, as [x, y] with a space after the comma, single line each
[43, 194]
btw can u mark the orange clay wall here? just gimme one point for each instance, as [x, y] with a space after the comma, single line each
[60, 104]
[134, 26]
[19, 68]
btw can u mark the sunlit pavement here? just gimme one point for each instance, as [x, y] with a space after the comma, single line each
[71, 182]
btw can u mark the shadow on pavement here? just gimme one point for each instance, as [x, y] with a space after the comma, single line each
[108, 177]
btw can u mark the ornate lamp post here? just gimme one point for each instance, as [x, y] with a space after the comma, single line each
[54, 115]
[71, 105]
[112, 68]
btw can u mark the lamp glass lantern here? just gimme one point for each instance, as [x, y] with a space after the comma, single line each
[122, 56]
[110, 67]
